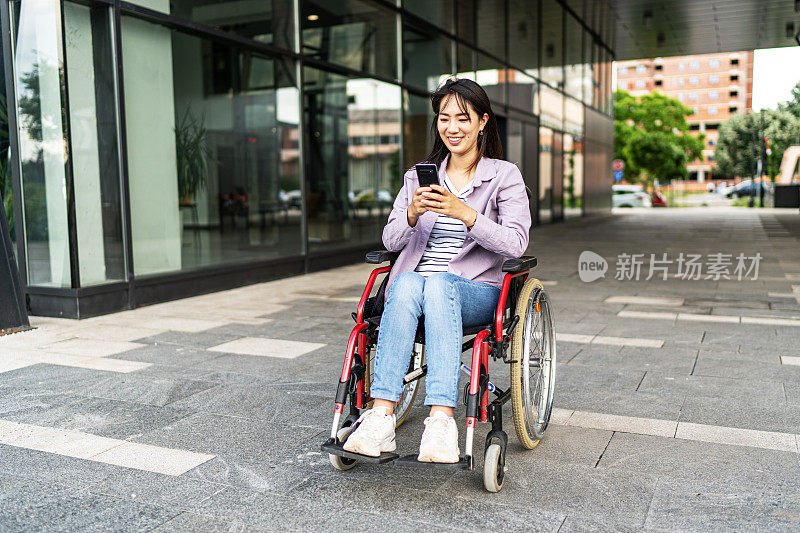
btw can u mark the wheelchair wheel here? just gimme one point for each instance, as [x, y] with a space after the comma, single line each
[493, 471]
[342, 463]
[403, 407]
[533, 372]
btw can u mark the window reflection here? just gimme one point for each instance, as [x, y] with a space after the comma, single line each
[418, 119]
[552, 70]
[351, 33]
[522, 90]
[41, 113]
[573, 58]
[439, 12]
[93, 141]
[215, 179]
[265, 22]
[491, 21]
[573, 159]
[353, 141]
[545, 174]
[523, 35]
[491, 75]
[427, 57]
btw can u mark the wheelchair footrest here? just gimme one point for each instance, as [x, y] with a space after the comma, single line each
[336, 449]
[464, 463]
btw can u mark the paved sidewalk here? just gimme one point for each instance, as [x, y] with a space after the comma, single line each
[677, 402]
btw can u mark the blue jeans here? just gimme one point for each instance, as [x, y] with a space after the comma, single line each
[448, 302]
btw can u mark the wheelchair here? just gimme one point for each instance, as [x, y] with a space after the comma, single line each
[521, 335]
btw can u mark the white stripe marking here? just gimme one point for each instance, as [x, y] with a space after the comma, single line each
[118, 452]
[768, 440]
[644, 300]
[770, 321]
[266, 347]
[647, 314]
[708, 318]
[16, 359]
[773, 321]
[609, 341]
[790, 360]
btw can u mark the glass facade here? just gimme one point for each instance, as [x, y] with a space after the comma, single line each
[234, 141]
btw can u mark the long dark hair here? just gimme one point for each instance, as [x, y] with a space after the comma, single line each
[465, 92]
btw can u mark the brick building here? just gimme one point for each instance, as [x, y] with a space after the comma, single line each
[714, 86]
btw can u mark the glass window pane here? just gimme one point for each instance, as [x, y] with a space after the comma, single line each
[465, 20]
[265, 22]
[552, 107]
[465, 66]
[353, 145]
[573, 58]
[545, 175]
[588, 68]
[523, 35]
[522, 90]
[417, 135]
[573, 158]
[492, 27]
[41, 114]
[427, 57]
[552, 50]
[351, 33]
[491, 76]
[439, 12]
[93, 136]
[215, 179]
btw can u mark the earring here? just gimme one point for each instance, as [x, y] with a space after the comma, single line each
[480, 132]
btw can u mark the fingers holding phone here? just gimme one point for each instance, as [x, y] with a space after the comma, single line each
[419, 201]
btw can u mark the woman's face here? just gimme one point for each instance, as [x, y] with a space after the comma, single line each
[458, 130]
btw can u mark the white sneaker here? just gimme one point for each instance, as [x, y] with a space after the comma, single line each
[374, 433]
[439, 440]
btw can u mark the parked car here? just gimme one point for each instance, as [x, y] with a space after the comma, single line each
[629, 196]
[658, 199]
[747, 188]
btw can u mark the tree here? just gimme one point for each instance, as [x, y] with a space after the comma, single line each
[652, 137]
[740, 141]
[793, 104]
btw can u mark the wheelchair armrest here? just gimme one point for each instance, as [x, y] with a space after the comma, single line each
[526, 262]
[380, 256]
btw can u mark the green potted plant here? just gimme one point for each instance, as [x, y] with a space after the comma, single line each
[193, 156]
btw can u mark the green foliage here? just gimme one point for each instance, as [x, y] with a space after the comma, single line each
[740, 141]
[792, 106]
[652, 137]
[193, 155]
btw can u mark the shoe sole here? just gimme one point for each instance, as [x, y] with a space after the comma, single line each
[384, 447]
[430, 458]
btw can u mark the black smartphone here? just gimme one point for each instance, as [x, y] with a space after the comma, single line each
[427, 174]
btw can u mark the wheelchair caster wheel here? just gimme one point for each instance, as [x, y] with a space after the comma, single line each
[493, 470]
[342, 463]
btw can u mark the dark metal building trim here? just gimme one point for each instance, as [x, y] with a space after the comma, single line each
[72, 225]
[13, 140]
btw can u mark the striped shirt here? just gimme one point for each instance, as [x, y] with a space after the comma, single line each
[446, 238]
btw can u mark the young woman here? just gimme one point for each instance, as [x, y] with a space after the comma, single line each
[453, 239]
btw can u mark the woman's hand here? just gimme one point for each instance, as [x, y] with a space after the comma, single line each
[440, 200]
[417, 207]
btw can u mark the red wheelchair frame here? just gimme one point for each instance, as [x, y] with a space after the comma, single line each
[491, 340]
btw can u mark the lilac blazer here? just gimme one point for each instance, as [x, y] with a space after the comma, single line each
[500, 232]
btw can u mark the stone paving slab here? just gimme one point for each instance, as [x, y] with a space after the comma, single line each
[681, 505]
[264, 417]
